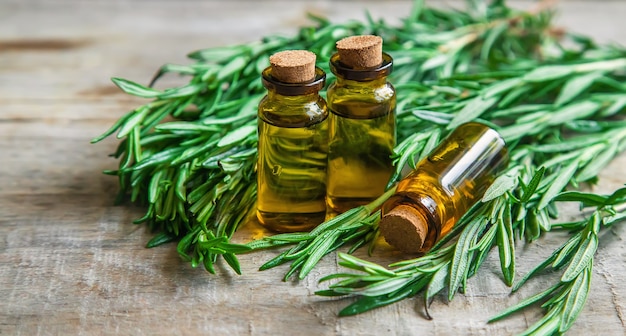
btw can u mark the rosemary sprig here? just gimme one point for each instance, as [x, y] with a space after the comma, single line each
[449, 265]
[184, 170]
[189, 153]
[544, 161]
[357, 226]
[564, 301]
[559, 146]
[451, 51]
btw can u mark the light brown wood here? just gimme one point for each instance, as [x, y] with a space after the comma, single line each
[73, 264]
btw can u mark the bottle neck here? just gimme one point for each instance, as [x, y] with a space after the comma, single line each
[282, 89]
[345, 72]
[277, 95]
[374, 83]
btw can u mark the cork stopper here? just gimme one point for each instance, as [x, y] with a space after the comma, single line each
[404, 228]
[293, 66]
[360, 52]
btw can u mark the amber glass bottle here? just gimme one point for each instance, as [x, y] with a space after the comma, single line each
[293, 144]
[362, 130]
[443, 186]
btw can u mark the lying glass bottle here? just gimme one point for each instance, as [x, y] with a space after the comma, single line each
[443, 187]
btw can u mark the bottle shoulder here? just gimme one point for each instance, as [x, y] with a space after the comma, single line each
[362, 100]
[292, 112]
[361, 91]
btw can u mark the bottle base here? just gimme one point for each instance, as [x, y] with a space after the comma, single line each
[343, 204]
[290, 222]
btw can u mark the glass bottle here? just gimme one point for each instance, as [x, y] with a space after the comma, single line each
[362, 130]
[293, 144]
[432, 198]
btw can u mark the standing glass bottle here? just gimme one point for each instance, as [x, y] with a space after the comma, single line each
[432, 198]
[362, 125]
[293, 144]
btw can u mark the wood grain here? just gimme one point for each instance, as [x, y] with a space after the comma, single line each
[73, 264]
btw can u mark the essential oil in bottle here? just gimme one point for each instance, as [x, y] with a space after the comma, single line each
[362, 124]
[433, 197]
[293, 144]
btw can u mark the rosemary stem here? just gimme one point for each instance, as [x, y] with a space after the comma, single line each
[380, 200]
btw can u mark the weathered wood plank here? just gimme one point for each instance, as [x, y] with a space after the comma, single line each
[99, 40]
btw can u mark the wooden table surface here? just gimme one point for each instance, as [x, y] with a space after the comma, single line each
[72, 263]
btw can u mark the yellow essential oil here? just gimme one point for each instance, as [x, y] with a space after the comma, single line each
[433, 197]
[362, 125]
[293, 146]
